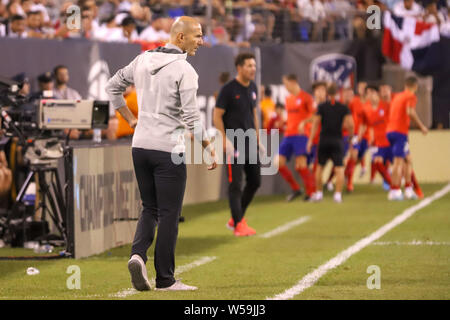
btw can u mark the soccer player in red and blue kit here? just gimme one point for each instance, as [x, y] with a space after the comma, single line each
[377, 113]
[299, 106]
[402, 110]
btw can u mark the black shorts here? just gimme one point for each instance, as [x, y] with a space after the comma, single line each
[331, 149]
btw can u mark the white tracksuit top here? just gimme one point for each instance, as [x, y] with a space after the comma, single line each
[166, 86]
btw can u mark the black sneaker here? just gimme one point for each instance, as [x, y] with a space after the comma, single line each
[294, 195]
[307, 198]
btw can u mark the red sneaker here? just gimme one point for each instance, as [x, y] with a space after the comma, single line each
[230, 223]
[243, 230]
[419, 193]
[350, 187]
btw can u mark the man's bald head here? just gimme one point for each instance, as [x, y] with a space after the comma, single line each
[183, 24]
[186, 33]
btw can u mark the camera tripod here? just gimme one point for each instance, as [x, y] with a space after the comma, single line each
[51, 198]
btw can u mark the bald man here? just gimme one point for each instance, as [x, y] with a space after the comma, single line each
[166, 86]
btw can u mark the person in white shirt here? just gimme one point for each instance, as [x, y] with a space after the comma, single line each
[38, 6]
[408, 8]
[15, 29]
[61, 90]
[155, 31]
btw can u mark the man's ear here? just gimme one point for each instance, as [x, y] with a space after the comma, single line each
[180, 36]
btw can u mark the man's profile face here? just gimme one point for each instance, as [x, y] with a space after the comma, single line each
[248, 70]
[320, 94]
[192, 40]
[289, 85]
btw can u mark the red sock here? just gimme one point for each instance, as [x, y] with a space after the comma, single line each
[373, 170]
[414, 181]
[383, 171]
[408, 184]
[287, 175]
[307, 180]
[351, 168]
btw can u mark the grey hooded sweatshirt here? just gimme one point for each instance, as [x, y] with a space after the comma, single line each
[166, 86]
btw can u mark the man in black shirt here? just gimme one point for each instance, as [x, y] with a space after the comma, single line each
[332, 116]
[236, 117]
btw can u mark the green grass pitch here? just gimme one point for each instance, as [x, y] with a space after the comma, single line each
[256, 268]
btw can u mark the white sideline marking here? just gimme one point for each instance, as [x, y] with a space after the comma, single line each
[311, 278]
[184, 268]
[411, 243]
[284, 227]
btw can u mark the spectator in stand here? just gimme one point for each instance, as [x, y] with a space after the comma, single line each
[16, 28]
[90, 8]
[141, 14]
[14, 8]
[107, 9]
[267, 105]
[408, 8]
[26, 6]
[40, 7]
[111, 33]
[338, 12]
[34, 25]
[62, 90]
[315, 23]
[129, 29]
[155, 31]
[432, 15]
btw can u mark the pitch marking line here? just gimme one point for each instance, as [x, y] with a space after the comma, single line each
[285, 227]
[411, 243]
[311, 278]
[184, 268]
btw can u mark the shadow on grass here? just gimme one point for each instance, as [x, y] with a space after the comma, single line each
[196, 246]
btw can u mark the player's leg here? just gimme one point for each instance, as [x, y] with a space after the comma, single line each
[235, 172]
[380, 167]
[416, 185]
[322, 157]
[145, 229]
[285, 152]
[409, 191]
[253, 182]
[318, 195]
[398, 144]
[337, 156]
[350, 168]
[301, 165]
[364, 146]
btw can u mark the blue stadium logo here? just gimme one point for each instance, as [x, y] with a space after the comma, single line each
[334, 67]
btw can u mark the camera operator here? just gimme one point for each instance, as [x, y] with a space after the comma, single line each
[45, 83]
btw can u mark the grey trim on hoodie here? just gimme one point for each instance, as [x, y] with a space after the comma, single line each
[166, 86]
